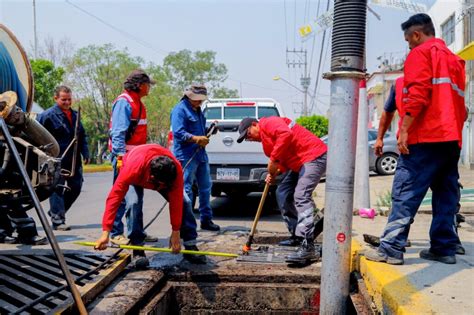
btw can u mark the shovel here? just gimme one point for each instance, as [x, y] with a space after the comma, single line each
[248, 245]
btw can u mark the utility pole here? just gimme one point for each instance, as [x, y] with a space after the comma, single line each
[34, 29]
[301, 61]
[347, 69]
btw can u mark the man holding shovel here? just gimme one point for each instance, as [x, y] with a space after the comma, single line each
[301, 157]
[153, 167]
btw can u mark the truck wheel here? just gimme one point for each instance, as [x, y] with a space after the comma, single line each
[236, 194]
[216, 191]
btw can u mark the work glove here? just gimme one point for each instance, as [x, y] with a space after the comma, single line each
[202, 141]
[119, 163]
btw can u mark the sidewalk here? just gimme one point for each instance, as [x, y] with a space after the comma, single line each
[381, 186]
[418, 286]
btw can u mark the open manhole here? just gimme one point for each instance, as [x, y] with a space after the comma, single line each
[262, 284]
[235, 297]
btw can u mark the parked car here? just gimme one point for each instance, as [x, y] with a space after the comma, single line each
[387, 163]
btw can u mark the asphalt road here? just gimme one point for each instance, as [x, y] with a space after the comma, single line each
[85, 215]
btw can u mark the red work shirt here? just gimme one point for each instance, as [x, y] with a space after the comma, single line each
[433, 93]
[288, 143]
[136, 171]
[68, 114]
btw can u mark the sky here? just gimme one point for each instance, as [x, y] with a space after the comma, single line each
[249, 37]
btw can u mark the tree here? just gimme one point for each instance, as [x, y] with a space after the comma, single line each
[58, 52]
[46, 77]
[159, 103]
[316, 124]
[185, 67]
[96, 75]
[224, 92]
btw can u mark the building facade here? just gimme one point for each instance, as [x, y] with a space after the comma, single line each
[454, 23]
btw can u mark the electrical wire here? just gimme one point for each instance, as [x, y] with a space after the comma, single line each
[294, 30]
[124, 33]
[320, 60]
[255, 85]
[286, 25]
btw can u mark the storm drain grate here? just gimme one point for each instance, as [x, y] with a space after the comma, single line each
[270, 254]
[34, 283]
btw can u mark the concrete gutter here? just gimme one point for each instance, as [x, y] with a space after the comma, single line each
[391, 291]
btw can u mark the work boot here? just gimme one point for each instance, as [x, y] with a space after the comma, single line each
[210, 226]
[379, 256]
[194, 259]
[8, 240]
[305, 253]
[292, 241]
[35, 240]
[460, 250]
[429, 255]
[150, 238]
[119, 240]
[139, 260]
[375, 240]
[61, 227]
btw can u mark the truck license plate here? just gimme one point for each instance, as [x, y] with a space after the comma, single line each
[228, 174]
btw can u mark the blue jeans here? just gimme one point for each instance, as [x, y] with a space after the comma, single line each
[199, 172]
[132, 208]
[62, 199]
[295, 197]
[188, 225]
[429, 165]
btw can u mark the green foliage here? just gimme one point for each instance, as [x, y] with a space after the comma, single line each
[316, 124]
[223, 92]
[46, 77]
[96, 75]
[384, 201]
[185, 67]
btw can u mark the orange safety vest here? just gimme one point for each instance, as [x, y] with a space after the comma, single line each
[137, 134]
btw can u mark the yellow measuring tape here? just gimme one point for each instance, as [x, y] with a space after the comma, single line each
[163, 250]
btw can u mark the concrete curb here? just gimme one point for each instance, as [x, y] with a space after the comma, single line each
[95, 169]
[391, 291]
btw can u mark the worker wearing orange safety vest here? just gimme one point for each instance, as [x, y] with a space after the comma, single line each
[128, 129]
[432, 114]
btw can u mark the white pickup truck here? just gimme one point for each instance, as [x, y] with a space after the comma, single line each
[236, 168]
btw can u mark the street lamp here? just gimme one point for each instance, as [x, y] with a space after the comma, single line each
[305, 83]
[277, 78]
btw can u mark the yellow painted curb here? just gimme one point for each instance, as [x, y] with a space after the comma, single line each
[391, 291]
[99, 168]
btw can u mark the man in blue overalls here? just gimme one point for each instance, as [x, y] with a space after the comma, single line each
[189, 133]
[60, 121]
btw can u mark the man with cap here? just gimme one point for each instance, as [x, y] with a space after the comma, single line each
[153, 167]
[189, 133]
[301, 157]
[128, 129]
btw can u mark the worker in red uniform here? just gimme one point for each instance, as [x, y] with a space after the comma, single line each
[432, 113]
[301, 157]
[153, 167]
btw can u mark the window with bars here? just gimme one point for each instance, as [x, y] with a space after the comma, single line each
[447, 30]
